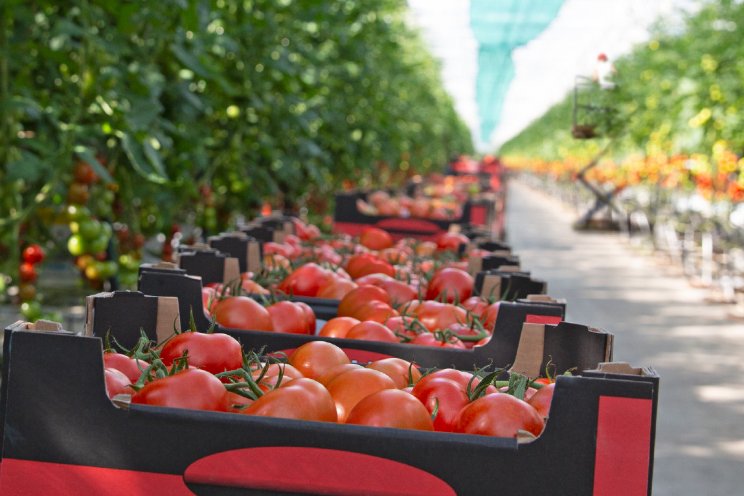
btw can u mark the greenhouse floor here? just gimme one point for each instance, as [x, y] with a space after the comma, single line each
[659, 320]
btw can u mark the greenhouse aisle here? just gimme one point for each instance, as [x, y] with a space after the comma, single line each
[658, 320]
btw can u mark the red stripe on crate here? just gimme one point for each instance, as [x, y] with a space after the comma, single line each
[361, 356]
[32, 478]
[400, 224]
[623, 446]
[478, 215]
[542, 319]
[314, 470]
[349, 228]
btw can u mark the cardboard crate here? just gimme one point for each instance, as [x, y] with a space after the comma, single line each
[63, 436]
[347, 219]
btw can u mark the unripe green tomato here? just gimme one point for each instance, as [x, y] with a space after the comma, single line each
[90, 229]
[31, 310]
[76, 245]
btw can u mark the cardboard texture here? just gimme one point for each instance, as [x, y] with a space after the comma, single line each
[86, 445]
[241, 246]
[569, 346]
[348, 219]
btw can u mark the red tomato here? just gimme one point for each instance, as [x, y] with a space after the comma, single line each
[335, 288]
[303, 399]
[451, 241]
[500, 415]
[458, 376]
[196, 389]
[310, 320]
[402, 372]
[209, 300]
[252, 287]
[358, 297]
[375, 239]
[429, 339]
[542, 399]
[305, 280]
[287, 370]
[490, 316]
[372, 331]
[241, 312]
[129, 366]
[214, 353]
[363, 264]
[435, 315]
[391, 408]
[338, 327]
[315, 358]
[400, 293]
[403, 326]
[235, 402]
[475, 305]
[377, 311]
[336, 370]
[450, 285]
[116, 382]
[445, 395]
[27, 272]
[33, 254]
[286, 316]
[350, 387]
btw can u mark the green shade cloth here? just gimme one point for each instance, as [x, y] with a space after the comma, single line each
[500, 26]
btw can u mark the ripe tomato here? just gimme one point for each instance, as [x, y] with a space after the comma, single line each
[27, 272]
[429, 339]
[451, 241]
[490, 315]
[310, 320]
[209, 300]
[286, 316]
[500, 415]
[335, 288]
[235, 402]
[375, 239]
[391, 408]
[358, 297]
[214, 353]
[400, 293]
[445, 395]
[475, 305]
[305, 280]
[542, 399]
[350, 387]
[252, 287]
[116, 382]
[404, 327]
[288, 371]
[402, 372]
[363, 264]
[377, 311]
[131, 367]
[336, 370]
[241, 312]
[338, 327]
[196, 389]
[435, 315]
[460, 377]
[315, 358]
[372, 331]
[84, 173]
[33, 254]
[451, 285]
[303, 399]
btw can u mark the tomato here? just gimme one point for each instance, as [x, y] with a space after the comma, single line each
[445, 395]
[475, 305]
[33, 254]
[310, 320]
[252, 287]
[130, 367]
[276, 261]
[375, 238]
[27, 272]
[400, 293]
[372, 331]
[235, 402]
[391, 408]
[288, 371]
[350, 387]
[395, 256]
[458, 376]
[489, 316]
[429, 339]
[338, 327]
[84, 173]
[271, 248]
[315, 358]
[302, 399]
[305, 280]
[500, 415]
[451, 241]
[214, 353]
[435, 315]
[542, 399]
[450, 285]
[377, 311]
[116, 382]
[402, 372]
[209, 300]
[363, 264]
[426, 249]
[26, 291]
[241, 312]
[404, 327]
[335, 288]
[336, 370]
[358, 297]
[196, 389]
[288, 317]
[77, 193]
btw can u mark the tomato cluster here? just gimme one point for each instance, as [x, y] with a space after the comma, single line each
[31, 256]
[318, 382]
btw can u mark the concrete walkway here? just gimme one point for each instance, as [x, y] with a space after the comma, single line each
[659, 321]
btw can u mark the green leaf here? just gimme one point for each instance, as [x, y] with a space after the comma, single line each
[141, 165]
[27, 167]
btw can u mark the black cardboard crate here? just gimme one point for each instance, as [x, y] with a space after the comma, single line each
[599, 440]
[347, 219]
[567, 345]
